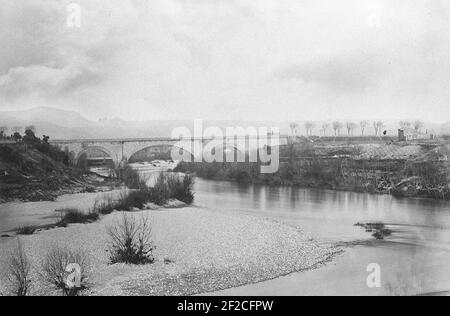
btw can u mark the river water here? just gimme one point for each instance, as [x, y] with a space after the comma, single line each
[414, 260]
[332, 214]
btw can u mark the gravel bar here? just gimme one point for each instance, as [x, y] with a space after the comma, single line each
[198, 251]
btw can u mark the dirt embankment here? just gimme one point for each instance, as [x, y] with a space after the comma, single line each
[29, 175]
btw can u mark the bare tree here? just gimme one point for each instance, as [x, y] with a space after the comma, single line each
[337, 126]
[325, 127]
[18, 272]
[309, 128]
[363, 125]
[350, 128]
[294, 128]
[378, 126]
[418, 125]
[131, 241]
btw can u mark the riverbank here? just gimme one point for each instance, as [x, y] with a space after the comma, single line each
[403, 170]
[198, 250]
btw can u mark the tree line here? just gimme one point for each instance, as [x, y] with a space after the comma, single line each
[29, 139]
[16, 132]
[350, 127]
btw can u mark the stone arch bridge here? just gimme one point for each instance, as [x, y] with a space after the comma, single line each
[123, 149]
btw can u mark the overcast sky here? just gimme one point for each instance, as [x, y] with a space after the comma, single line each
[229, 59]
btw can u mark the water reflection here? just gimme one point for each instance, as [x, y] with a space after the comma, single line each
[327, 212]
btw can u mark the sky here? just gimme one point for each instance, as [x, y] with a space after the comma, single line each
[228, 59]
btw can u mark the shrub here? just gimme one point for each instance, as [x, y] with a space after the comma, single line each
[74, 216]
[131, 199]
[170, 186]
[132, 179]
[57, 261]
[167, 186]
[26, 230]
[105, 206]
[89, 189]
[130, 241]
[181, 188]
[159, 193]
[18, 273]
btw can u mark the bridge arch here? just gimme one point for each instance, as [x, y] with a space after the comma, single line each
[210, 151]
[157, 151]
[85, 150]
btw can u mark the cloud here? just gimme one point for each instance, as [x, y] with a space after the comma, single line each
[44, 81]
[339, 74]
[264, 59]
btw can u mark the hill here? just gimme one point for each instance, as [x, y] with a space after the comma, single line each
[27, 174]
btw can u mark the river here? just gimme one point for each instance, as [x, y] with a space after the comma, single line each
[414, 260]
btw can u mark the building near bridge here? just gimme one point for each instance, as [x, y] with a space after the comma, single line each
[406, 135]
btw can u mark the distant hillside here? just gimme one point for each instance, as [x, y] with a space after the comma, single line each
[49, 121]
[68, 119]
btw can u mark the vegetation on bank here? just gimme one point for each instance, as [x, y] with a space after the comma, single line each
[378, 230]
[130, 239]
[30, 140]
[74, 216]
[167, 187]
[26, 230]
[339, 170]
[32, 169]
